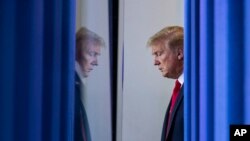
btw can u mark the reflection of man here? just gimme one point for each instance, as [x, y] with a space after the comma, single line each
[167, 48]
[88, 48]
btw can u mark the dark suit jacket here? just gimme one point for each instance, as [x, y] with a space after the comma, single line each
[176, 132]
[80, 115]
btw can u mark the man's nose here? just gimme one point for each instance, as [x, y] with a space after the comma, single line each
[156, 62]
[95, 62]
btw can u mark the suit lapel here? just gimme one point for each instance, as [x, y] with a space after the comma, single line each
[179, 99]
[164, 128]
[82, 130]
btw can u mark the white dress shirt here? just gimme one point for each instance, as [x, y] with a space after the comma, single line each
[181, 79]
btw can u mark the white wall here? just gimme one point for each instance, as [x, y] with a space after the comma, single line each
[146, 93]
[94, 15]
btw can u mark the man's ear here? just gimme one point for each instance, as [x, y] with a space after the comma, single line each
[180, 53]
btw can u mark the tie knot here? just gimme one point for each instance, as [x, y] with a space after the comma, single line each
[177, 84]
[177, 88]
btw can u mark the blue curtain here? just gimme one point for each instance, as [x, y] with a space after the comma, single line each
[217, 66]
[37, 40]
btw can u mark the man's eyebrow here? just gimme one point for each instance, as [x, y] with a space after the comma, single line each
[159, 51]
[154, 51]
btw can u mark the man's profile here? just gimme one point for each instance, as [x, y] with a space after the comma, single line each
[88, 48]
[167, 49]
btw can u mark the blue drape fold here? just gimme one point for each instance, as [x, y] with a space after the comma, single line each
[37, 40]
[216, 68]
[246, 26]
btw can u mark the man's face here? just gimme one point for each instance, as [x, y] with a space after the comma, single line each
[88, 58]
[169, 62]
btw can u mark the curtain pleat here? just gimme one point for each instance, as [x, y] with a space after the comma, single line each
[246, 61]
[37, 40]
[216, 68]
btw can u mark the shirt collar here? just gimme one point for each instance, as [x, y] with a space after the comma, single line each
[181, 79]
[79, 72]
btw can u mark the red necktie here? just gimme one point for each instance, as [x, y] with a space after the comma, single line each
[173, 101]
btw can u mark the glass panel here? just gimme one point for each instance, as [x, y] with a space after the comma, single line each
[92, 65]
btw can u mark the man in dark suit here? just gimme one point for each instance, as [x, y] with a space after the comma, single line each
[88, 48]
[167, 48]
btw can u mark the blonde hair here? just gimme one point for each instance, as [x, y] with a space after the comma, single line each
[85, 37]
[172, 35]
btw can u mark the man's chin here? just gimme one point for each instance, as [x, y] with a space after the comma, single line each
[165, 75]
[85, 75]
